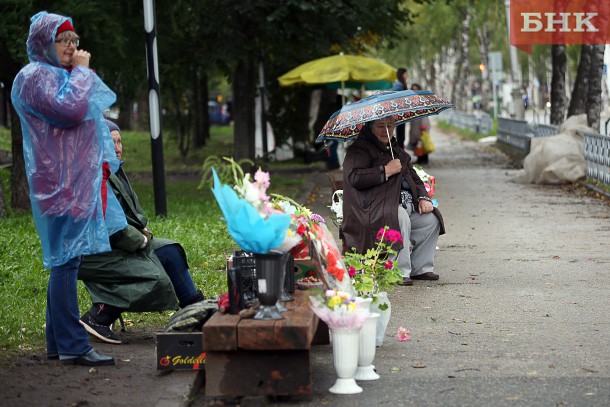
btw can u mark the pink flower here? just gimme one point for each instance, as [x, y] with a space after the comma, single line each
[403, 334]
[380, 234]
[394, 236]
[262, 178]
[351, 271]
[388, 264]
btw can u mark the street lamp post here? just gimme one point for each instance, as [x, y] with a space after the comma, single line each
[156, 141]
[518, 110]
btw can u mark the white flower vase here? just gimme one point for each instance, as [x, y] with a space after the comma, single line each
[345, 360]
[366, 352]
[384, 316]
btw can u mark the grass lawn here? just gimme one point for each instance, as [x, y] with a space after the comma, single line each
[194, 220]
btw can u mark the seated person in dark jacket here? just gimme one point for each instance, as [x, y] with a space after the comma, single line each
[141, 273]
[381, 188]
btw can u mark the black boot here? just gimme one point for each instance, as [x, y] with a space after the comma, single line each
[97, 322]
[198, 296]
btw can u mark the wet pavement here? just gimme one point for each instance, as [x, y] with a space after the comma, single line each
[519, 316]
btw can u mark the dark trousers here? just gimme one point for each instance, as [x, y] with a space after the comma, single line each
[65, 335]
[177, 270]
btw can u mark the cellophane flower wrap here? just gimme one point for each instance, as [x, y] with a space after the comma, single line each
[338, 309]
[252, 221]
[428, 180]
[311, 229]
[373, 272]
[301, 220]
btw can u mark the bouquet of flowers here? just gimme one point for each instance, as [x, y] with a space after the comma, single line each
[312, 230]
[429, 180]
[253, 222]
[373, 272]
[338, 309]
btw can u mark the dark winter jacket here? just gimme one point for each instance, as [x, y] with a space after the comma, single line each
[129, 278]
[369, 201]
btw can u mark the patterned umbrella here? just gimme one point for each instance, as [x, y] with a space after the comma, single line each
[404, 106]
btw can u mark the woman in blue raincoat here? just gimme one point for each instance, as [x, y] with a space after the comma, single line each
[60, 103]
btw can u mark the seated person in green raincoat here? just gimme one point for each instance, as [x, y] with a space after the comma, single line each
[141, 273]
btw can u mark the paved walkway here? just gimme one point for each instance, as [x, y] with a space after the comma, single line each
[518, 318]
[520, 314]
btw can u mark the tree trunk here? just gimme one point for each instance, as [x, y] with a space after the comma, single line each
[20, 191]
[558, 84]
[460, 79]
[594, 95]
[483, 35]
[201, 122]
[243, 109]
[432, 72]
[578, 101]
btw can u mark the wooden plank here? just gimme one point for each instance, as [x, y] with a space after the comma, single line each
[257, 373]
[295, 331]
[225, 332]
[220, 332]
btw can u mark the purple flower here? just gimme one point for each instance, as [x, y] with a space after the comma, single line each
[317, 218]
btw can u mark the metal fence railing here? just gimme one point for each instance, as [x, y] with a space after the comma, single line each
[515, 133]
[478, 122]
[545, 130]
[597, 157]
[519, 134]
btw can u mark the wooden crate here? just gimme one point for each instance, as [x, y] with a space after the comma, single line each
[247, 357]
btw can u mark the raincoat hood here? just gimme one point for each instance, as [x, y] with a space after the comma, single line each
[41, 40]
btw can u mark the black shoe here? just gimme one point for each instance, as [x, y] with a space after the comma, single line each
[53, 356]
[101, 332]
[90, 359]
[430, 276]
[198, 296]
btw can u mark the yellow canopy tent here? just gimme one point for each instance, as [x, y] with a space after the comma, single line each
[341, 69]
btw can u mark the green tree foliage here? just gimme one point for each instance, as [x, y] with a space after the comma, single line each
[287, 34]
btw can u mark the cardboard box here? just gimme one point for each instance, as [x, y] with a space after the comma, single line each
[304, 268]
[180, 351]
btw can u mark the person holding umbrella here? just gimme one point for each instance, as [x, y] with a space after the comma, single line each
[381, 188]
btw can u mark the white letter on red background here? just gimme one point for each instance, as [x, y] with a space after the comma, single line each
[563, 21]
[580, 22]
[528, 22]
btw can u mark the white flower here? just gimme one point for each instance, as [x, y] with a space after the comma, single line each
[287, 207]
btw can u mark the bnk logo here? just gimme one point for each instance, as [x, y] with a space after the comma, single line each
[562, 22]
[559, 22]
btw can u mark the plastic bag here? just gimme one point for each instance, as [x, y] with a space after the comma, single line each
[427, 144]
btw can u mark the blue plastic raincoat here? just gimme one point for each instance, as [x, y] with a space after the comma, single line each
[65, 140]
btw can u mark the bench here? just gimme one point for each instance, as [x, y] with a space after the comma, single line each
[248, 357]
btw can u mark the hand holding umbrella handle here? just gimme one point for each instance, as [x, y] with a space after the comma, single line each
[393, 167]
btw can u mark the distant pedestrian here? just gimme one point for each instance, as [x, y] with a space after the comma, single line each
[416, 131]
[400, 84]
[60, 103]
